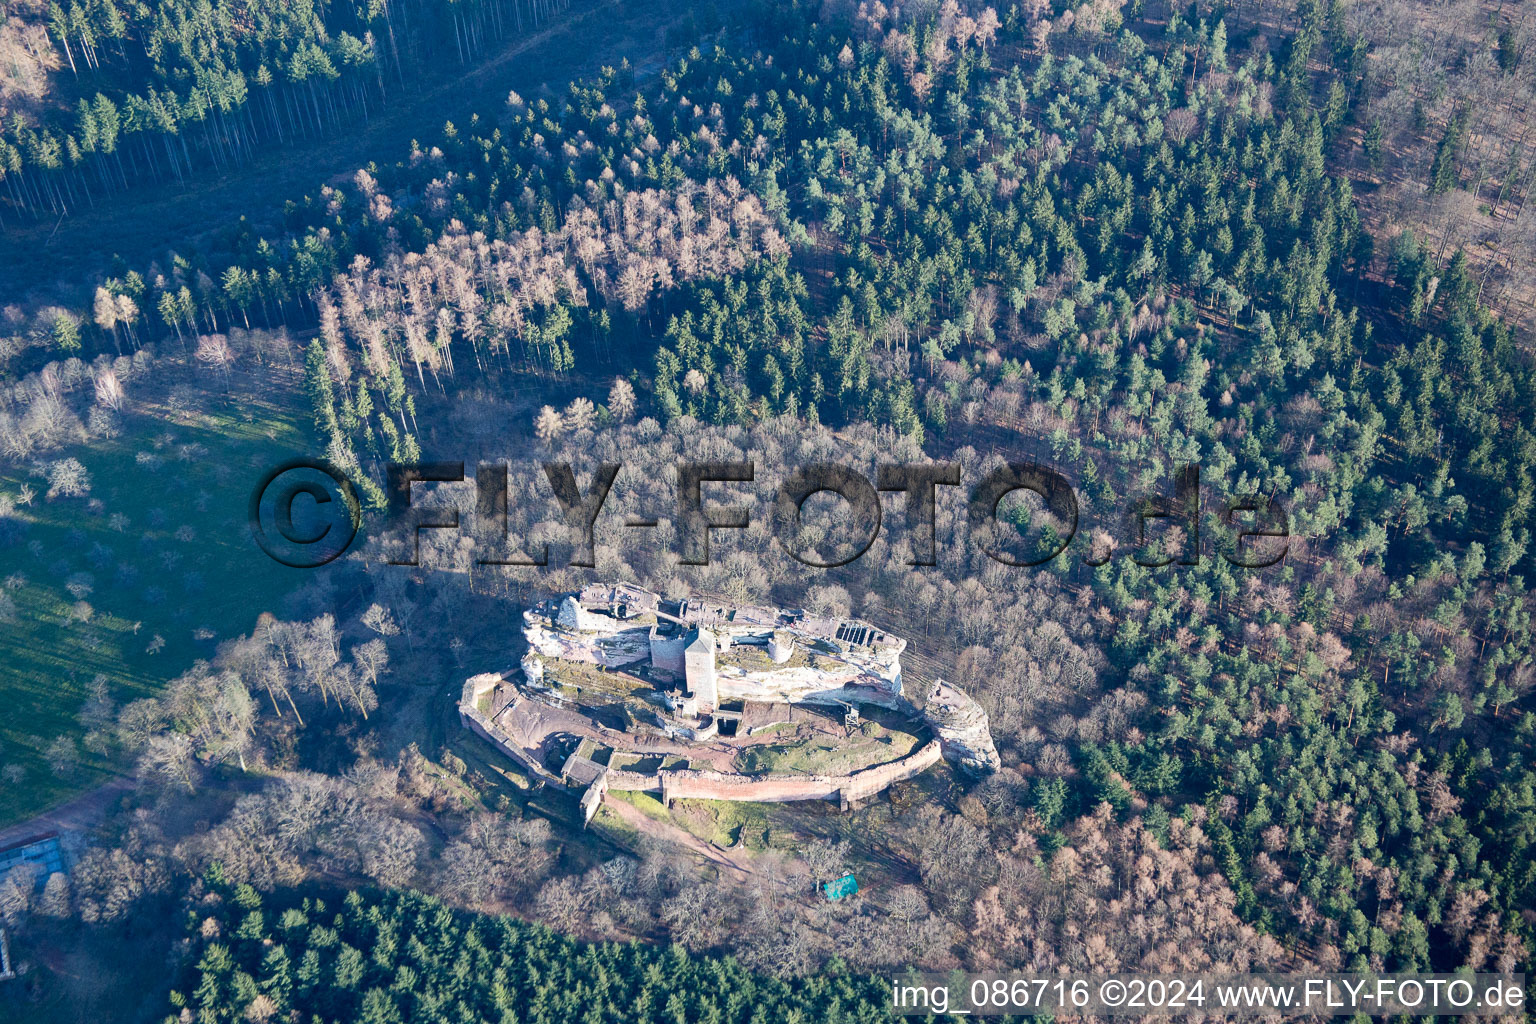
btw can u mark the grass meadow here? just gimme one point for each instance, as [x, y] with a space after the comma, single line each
[121, 589]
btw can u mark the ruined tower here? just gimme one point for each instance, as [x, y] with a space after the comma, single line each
[699, 669]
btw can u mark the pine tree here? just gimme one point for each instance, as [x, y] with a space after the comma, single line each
[317, 384]
[1442, 171]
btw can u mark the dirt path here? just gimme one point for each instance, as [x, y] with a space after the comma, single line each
[736, 863]
[147, 223]
[79, 814]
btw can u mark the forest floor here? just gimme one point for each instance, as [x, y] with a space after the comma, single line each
[148, 222]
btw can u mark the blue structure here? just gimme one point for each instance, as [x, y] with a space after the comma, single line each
[845, 886]
[43, 851]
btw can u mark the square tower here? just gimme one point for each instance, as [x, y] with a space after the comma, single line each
[699, 669]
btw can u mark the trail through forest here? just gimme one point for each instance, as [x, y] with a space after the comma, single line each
[149, 222]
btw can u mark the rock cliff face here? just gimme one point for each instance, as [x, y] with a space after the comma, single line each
[961, 726]
[832, 685]
[608, 643]
[758, 663]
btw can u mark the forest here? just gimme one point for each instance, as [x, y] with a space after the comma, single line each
[424, 960]
[160, 91]
[1271, 240]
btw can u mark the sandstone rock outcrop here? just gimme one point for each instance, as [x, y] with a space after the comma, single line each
[961, 727]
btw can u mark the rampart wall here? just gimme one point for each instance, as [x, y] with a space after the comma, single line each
[864, 784]
[688, 784]
[675, 784]
[477, 723]
[634, 782]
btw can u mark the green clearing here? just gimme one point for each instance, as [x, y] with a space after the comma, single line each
[723, 822]
[648, 805]
[828, 755]
[132, 582]
[720, 822]
[615, 829]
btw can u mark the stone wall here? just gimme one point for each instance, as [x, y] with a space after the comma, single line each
[478, 686]
[704, 785]
[808, 686]
[686, 784]
[633, 782]
[862, 785]
[592, 799]
[675, 784]
[680, 784]
[689, 784]
[473, 720]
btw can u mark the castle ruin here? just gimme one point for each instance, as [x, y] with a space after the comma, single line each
[621, 689]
